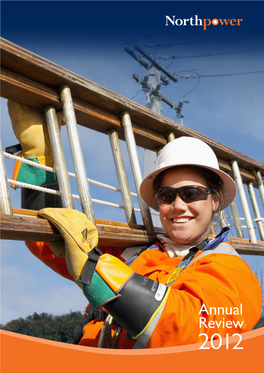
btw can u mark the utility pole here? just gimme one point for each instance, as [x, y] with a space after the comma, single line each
[151, 85]
[153, 102]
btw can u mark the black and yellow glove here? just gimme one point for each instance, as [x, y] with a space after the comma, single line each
[132, 299]
[80, 238]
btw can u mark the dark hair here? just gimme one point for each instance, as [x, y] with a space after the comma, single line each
[213, 181]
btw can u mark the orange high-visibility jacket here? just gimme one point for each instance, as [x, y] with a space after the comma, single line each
[217, 293]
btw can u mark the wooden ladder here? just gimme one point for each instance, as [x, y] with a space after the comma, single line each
[34, 81]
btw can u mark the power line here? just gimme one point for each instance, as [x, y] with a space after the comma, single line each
[161, 46]
[230, 74]
[213, 54]
[198, 76]
[141, 90]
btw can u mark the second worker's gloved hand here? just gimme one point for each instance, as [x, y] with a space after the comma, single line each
[79, 234]
[30, 129]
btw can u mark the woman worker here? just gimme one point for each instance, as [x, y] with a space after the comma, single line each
[182, 287]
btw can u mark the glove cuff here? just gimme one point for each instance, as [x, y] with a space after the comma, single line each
[33, 175]
[132, 299]
[108, 279]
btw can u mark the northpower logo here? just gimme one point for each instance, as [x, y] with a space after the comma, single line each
[196, 21]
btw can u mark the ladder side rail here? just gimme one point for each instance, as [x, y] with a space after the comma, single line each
[122, 177]
[152, 157]
[254, 203]
[222, 219]
[236, 219]
[259, 180]
[59, 158]
[5, 199]
[133, 156]
[76, 151]
[213, 228]
[244, 203]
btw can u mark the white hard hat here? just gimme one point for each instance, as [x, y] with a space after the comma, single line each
[187, 151]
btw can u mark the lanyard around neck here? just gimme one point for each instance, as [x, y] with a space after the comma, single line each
[186, 260]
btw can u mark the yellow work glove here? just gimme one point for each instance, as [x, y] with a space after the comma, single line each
[30, 129]
[79, 234]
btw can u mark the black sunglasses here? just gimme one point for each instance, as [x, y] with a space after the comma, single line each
[188, 193]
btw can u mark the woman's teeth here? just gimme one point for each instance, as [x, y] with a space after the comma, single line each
[181, 220]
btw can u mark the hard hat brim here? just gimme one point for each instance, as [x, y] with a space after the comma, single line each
[148, 195]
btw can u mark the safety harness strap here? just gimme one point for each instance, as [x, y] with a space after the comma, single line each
[203, 246]
[186, 261]
[93, 257]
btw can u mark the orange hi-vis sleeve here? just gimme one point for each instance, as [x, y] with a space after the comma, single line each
[43, 252]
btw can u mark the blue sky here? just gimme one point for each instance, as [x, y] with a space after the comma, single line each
[88, 38]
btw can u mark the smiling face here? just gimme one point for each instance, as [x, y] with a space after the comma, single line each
[187, 223]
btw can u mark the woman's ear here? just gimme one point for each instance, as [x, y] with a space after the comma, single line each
[216, 203]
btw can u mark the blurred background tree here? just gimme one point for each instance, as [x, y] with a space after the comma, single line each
[55, 328]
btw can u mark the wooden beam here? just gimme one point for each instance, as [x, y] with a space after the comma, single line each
[243, 246]
[26, 91]
[25, 227]
[247, 175]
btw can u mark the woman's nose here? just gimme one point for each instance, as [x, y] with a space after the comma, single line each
[178, 204]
